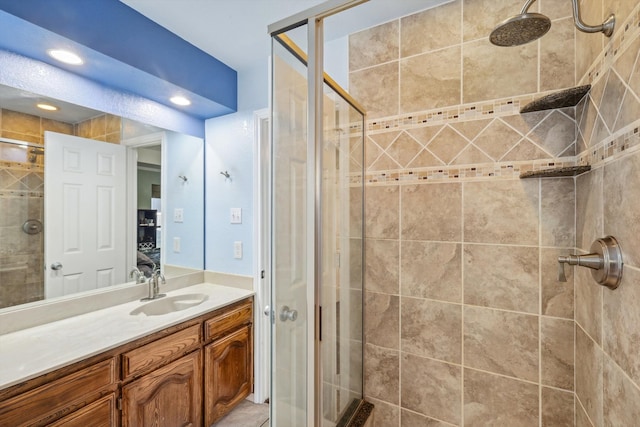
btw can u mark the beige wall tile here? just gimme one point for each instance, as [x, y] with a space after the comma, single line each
[431, 270]
[411, 419]
[588, 303]
[610, 105]
[496, 139]
[582, 419]
[56, 126]
[430, 80]
[588, 46]
[382, 258]
[557, 54]
[554, 134]
[525, 150]
[382, 205]
[404, 149]
[425, 217]
[589, 382]
[501, 212]
[374, 46]
[22, 137]
[384, 414]
[366, 86]
[431, 329]
[490, 73]
[382, 316]
[431, 388]
[557, 408]
[83, 129]
[447, 144]
[502, 342]
[491, 400]
[98, 126]
[555, 9]
[621, 179]
[589, 208]
[621, 8]
[621, 318]
[556, 352]
[503, 277]
[430, 30]
[113, 124]
[381, 373]
[629, 111]
[425, 134]
[21, 123]
[557, 297]
[557, 212]
[621, 397]
[481, 17]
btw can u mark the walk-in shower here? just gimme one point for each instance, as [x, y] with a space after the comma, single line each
[21, 217]
[529, 26]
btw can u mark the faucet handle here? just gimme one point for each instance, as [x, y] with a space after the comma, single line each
[561, 276]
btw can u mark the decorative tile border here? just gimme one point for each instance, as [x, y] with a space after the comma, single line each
[31, 167]
[616, 146]
[21, 193]
[626, 32]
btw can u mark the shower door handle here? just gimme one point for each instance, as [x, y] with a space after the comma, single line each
[288, 314]
[56, 266]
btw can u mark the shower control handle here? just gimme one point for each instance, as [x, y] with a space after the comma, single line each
[605, 262]
[56, 266]
[288, 314]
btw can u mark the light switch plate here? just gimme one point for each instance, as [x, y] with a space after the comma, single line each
[236, 215]
[176, 245]
[237, 250]
[178, 215]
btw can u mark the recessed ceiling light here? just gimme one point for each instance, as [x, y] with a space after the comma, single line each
[180, 100]
[65, 56]
[47, 107]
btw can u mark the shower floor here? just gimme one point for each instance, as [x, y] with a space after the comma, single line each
[246, 414]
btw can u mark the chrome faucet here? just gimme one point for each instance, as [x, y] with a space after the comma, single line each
[137, 274]
[154, 286]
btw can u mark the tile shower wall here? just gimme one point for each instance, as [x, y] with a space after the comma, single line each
[465, 322]
[607, 345]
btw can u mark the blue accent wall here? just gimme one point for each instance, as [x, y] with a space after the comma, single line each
[122, 49]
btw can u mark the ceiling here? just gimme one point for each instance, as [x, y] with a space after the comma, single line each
[235, 31]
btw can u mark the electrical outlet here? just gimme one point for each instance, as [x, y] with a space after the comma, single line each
[176, 245]
[178, 215]
[237, 250]
[236, 215]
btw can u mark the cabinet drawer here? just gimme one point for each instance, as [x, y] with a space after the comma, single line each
[229, 320]
[58, 398]
[159, 352]
[101, 413]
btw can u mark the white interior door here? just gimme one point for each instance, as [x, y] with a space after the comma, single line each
[85, 200]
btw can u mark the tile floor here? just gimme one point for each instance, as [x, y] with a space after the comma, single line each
[246, 414]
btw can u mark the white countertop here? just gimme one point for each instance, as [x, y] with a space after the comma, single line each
[35, 351]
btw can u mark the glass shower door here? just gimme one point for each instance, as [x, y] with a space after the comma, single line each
[292, 314]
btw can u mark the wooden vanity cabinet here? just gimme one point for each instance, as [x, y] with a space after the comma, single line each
[228, 358]
[188, 373]
[168, 396]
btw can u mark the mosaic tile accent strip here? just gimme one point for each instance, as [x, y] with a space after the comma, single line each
[500, 170]
[613, 147]
[626, 32]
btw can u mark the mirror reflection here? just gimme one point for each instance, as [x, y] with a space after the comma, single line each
[63, 231]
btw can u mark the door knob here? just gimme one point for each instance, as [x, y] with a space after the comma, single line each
[56, 266]
[287, 314]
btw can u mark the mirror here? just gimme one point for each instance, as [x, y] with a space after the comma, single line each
[173, 233]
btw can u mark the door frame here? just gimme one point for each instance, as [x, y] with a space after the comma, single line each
[132, 144]
[262, 256]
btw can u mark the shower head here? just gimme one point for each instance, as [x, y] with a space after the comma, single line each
[527, 27]
[520, 29]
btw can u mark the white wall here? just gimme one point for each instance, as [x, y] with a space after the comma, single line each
[184, 155]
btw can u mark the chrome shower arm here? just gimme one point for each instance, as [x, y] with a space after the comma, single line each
[606, 27]
[526, 6]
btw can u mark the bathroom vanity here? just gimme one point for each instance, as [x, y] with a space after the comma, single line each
[163, 364]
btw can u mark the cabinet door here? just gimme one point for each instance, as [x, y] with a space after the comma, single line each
[168, 396]
[101, 413]
[228, 373]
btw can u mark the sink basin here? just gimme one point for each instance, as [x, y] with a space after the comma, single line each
[172, 304]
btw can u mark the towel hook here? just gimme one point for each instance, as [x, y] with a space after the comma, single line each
[226, 174]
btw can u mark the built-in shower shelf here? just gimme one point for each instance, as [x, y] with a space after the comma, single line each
[561, 99]
[557, 172]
